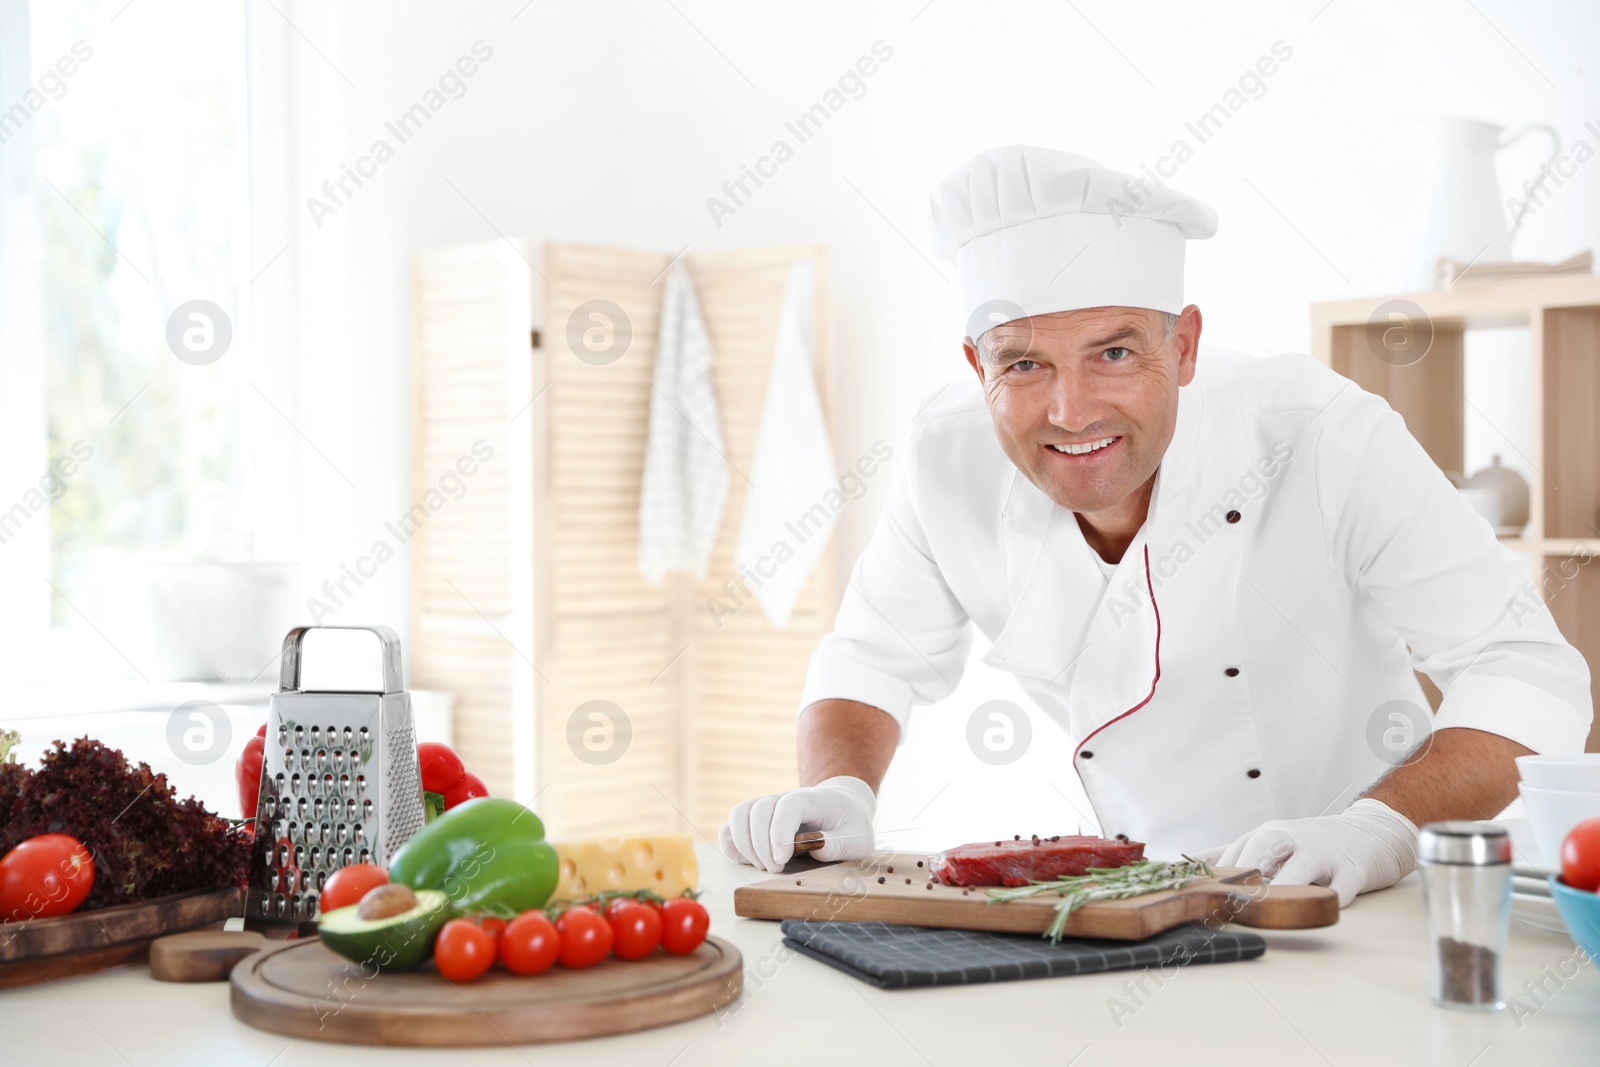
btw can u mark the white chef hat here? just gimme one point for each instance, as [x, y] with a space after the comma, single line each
[1033, 231]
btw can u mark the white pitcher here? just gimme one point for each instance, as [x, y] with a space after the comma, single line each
[1466, 215]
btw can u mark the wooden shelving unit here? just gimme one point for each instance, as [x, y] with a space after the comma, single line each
[1562, 538]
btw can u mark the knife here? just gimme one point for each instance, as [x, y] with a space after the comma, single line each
[809, 841]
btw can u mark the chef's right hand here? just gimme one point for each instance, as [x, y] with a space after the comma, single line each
[761, 832]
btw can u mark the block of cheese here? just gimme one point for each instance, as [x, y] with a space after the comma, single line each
[664, 863]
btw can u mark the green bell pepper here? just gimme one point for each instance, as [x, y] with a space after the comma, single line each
[487, 855]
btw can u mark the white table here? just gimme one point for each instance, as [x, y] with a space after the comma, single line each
[1355, 993]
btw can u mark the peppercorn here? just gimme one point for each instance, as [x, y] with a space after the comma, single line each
[1469, 971]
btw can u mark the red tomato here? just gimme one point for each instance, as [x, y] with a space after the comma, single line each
[493, 925]
[262, 732]
[349, 884]
[470, 786]
[684, 923]
[463, 951]
[441, 767]
[46, 875]
[529, 944]
[247, 773]
[585, 937]
[635, 928]
[1580, 856]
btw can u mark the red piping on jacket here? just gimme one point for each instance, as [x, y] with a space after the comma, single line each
[1150, 586]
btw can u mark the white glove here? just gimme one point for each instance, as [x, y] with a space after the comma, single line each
[761, 832]
[1367, 846]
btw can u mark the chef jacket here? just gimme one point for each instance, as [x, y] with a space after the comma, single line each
[1304, 555]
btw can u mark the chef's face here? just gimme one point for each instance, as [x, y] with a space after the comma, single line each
[1102, 383]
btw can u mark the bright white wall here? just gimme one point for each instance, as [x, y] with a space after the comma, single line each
[611, 123]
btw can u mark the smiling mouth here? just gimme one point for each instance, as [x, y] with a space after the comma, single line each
[1087, 448]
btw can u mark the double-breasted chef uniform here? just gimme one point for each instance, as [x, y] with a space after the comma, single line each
[1305, 554]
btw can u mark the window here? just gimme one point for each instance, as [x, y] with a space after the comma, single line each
[130, 135]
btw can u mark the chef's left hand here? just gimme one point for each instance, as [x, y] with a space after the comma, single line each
[1367, 846]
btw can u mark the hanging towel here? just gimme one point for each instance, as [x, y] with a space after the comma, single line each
[794, 497]
[685, 472]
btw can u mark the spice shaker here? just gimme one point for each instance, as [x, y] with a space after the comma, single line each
[1466, 889]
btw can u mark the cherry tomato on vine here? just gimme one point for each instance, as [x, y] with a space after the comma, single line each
[463, 951]
[493, 925]
[585, 937]
[529, 944]
[349, 884]
[635, 928]
[684, 923]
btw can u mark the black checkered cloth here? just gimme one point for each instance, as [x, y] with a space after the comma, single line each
[892, 956]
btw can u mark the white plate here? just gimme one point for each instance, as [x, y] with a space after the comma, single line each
[1538, 912]
[1530, 886]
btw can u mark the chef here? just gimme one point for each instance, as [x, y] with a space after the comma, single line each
[1216, 573]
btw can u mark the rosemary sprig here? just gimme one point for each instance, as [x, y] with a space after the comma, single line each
[1106, 883]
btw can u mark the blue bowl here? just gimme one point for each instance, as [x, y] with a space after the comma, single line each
[1580, 910]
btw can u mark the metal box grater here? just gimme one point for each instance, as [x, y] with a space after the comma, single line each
[339, 784]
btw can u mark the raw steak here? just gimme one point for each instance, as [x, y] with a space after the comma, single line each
[1029, 859]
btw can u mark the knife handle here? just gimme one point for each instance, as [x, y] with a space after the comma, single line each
[809, 841]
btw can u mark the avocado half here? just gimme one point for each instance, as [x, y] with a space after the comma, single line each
[398, 943]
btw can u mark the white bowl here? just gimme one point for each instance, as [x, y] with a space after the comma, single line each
[1552, 813]
[1575, 772]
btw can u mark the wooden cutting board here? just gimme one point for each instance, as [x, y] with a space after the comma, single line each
[895, 888]
[202, 955]
[35, 950]
[303, 990]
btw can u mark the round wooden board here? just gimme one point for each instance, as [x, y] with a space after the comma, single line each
[301, 989]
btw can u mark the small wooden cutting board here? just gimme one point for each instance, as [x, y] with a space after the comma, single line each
[38, 950]
[202, 955]
[896, 888]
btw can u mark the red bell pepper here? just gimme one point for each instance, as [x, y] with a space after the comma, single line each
[248, 772]
[470, 786]
[441, 767]
[445, 781]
